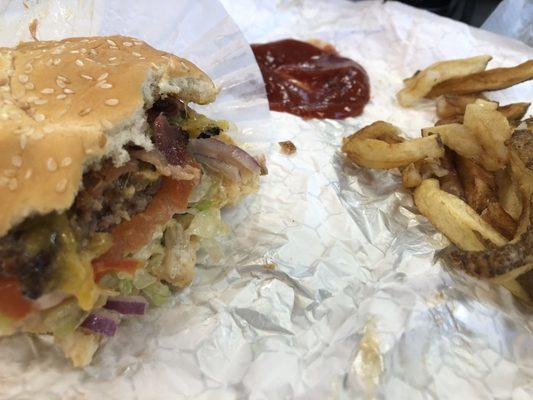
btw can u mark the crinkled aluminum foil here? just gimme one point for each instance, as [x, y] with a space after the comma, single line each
[355, 307]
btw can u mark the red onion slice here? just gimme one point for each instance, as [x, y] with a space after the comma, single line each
[127, 304]
[102, 321]
[225, 152]
[229, 171]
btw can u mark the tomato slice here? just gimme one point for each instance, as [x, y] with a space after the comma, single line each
[103, 267]
[12, 302]
[129, 236]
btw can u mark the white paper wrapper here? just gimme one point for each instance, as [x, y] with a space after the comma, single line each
[356, 308]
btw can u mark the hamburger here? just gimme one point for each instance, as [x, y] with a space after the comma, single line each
[109, 184]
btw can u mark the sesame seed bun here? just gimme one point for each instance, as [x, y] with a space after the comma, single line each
[65, 105]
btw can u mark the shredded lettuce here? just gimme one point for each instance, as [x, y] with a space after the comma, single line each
[64, 318]
[143, 279]
[207, 224]
[157, 293]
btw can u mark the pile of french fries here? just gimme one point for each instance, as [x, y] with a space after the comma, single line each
[472, 173]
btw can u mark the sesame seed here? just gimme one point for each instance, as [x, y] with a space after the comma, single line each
[47, 91]
[61, 185]
[111, 102]
[68, 91]
[79, 63]
[23, 78]
[85, 111]
[107, 124]
[40, 102]
[39, 117]
[51, 164]
[28, 174]
[110, 42]
[111, 58]
[16, 161]
[127, 44]
[63, 78]
[66, 162]
[74, 52]
[88, 77]
[90, 60]
[48, 128]
[106, 85]
[57, 61]
[49, 62]
[113, 47]
[32, 98]
[23, 141]
[83, 50]
[142, 58]
[61, 96]
[103, 76]
[93, 52]
[60, 83]
[13, 184]
[28, 68]
[136, 54]
[137, 43]
[29, 86]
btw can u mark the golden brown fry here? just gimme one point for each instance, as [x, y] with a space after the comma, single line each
[479, 185]
[380, 130]
[496, 216]
[411, 176]
[491, 129]
[453, 105]
[456, 119]
[450, 182]
[453, 217]
[514, 111]
[461, 140]
[492, 79]
[376, 153]
[521, 167]
[421, 83]
[508, 195]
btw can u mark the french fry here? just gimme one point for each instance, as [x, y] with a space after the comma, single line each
[491, 129]
[421, 83]
[411, 176]
[479, 185]
[456, 119]
[492, 79]
[508, 194]
[380, 130]
[498, 218]
[461, 140]
[453, 217]
[514, 111]
[376, 153]
[453, 105]
[450, 182]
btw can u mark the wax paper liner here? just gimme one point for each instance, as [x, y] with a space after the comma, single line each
[356, 307]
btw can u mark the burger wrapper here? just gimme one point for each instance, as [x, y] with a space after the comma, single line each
[327, 287]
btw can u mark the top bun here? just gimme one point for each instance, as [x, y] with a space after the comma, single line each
[65, 105]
